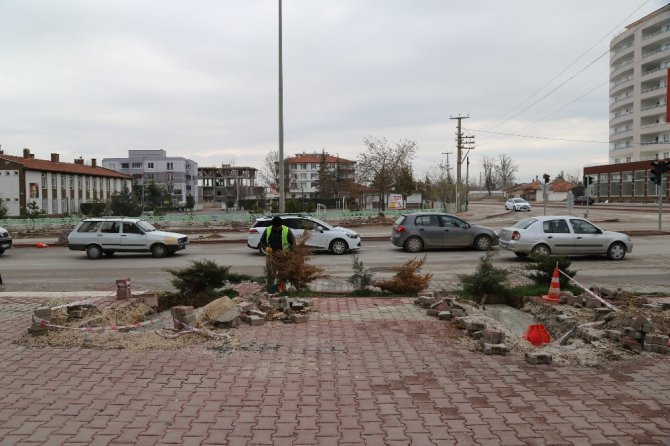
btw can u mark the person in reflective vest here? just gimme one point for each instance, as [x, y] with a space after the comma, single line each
[276, 238]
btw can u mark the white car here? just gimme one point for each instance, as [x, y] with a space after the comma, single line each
[563, 235]
[517, 204]
[5, 240]
[107, 235]
[324, 237]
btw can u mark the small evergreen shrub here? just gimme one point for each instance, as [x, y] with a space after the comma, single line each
[203, 276]
[487, 279]
[542, 269]
[407, 281]
[361, 279]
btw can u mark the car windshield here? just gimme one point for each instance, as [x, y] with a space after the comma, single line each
[146, 226]
[525, 223]
[519, 200]
[322, 223]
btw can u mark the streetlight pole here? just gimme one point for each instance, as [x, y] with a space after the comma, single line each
[282, 191]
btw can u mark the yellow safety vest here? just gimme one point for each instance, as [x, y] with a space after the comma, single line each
[284, 237]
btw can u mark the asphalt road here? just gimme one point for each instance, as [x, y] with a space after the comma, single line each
[57, 268]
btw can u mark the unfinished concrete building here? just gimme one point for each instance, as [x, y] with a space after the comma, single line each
[228, 185]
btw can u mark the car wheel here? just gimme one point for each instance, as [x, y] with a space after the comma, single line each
[338, 246]
[482, 243]
[540, 250]
[158, 250]
[109, 253]
[414, 244]
[521, 254]
[616, 251]
[2, 251]
[93, 252]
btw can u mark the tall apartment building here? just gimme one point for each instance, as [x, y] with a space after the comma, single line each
[178, 175]
[55, 187]
[228, 184]
[303, 172]
[639, 66]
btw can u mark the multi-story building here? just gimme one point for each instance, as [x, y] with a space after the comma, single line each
[228, 184]
[303, 172]
[178, 175]
[639, 65]
[56, 188]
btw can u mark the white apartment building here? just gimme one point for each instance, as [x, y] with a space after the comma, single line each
[55, 187]
[303, 172]
[177, 174]
[639, 66]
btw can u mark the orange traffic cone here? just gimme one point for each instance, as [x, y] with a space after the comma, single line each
[40, 245]
[554, 289]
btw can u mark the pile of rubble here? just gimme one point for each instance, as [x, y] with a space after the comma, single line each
[135, 323]
[584, 331]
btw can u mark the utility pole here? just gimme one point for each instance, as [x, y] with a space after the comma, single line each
[459, 153]
[282, 191]
[467, 181]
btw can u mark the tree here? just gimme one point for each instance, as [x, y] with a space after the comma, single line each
[326, 184]
[441, 186]
[505, 170]
[380, 164]
[154, 195]
[489, 174]
[404, 183]
[190, 202]
[125, 203]
[269, 173]
[3, 208]
[33, 210]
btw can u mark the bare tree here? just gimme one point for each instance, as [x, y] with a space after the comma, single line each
[269, 171]
[505, 170]
[442, 186]
[489, 174]
[380, 164]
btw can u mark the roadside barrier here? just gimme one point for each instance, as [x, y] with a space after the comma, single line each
[591, 293]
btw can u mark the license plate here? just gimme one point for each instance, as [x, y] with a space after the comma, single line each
[4, 245]
[503, 244]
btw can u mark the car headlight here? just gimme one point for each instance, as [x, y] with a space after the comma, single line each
[352, 235]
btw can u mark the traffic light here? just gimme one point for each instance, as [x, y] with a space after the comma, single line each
[588, 180]
[546, 178]
[658, 168]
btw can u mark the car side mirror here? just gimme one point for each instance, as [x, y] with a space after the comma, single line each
[319, 228]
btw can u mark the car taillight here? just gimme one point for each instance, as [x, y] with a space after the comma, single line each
[516, 235]
[399, 228]
[253, 231]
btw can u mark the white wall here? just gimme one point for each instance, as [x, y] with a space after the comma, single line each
[9, 191]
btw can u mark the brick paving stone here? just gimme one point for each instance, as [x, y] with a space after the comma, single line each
[361, 371]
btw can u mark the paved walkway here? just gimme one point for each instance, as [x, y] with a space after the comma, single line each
[359, 372]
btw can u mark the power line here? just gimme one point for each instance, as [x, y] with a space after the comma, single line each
[505, 117]
[537, 137]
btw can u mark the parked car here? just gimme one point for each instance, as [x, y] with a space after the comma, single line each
[423, 230]
[107, 235]
[582, 200]
[563, 235]
[517, 204]
[5, 240]
[324, 236]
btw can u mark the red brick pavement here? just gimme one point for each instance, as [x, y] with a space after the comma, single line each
[362, 372]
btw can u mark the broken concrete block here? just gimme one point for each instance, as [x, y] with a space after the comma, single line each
[613, 334]
[475, 326]
[258, 313]
[629, 343]
[565, 319]
[76, 313]
[38, 330]
[641, 323]
[495, 349]
[245, 306]
[592, 302]
[221, 310]
[432, 312]
[457, 312]
[445, 316]
[656, 339]
[628, 331]
[150, 300]
[599, 314]
[43, 313]
[298, 318]
[590, 335]
[538, 358]
[440, 306]
[575, 300]
[297, 306]
[493, 337]
[181, 310]
[476, 335]
[255, 321]
[655, 348]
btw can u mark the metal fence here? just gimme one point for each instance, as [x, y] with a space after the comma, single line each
[193, 219]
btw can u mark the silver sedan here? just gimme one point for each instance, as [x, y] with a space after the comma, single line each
[563, 235]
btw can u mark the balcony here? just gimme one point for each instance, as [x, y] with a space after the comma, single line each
[663, 30]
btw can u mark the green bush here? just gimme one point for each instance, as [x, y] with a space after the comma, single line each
[542, 269]
[486, 279]
[203, 276]
[93, 208]
[362, 277]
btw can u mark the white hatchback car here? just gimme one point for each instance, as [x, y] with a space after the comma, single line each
[325, 237]
[5, 240]
[517, 204]
[107, 235]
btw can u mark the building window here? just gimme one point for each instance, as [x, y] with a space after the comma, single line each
[150, 165]
[124, 165]
[170, 166]
[188, 166]
[44, 181]
[150, 176]
[88, 183]
[170, 176]
[303, 166]
[71, 181]
[109, 184]
[63, 182]
[137, 165]
[54, 181]
[315, 166]
[79, 183]
[639, 183]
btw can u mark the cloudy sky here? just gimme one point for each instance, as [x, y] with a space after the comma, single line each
[199, 78]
